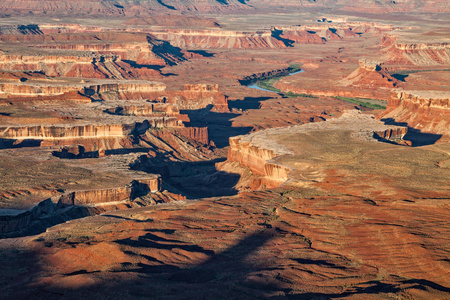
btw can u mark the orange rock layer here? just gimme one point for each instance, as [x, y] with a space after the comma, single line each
[428, 111]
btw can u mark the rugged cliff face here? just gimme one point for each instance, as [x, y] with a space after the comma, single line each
[425, 110]
[79, 204]
[321, 33]
[86, 52]
[83, 66]
[262, 153]
[17, 89]
[258, 157]
[92, 137]
[371, 74]
[136, 188]
[70, 132]
[219, 39]
[139, 53]
[419, 54]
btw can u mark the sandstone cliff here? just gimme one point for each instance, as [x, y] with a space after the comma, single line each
[425, 110]
[370, 74]
[79, 204]
[419, 54]
[219, 39]
[258, 157]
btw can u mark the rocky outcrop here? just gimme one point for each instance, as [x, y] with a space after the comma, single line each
[262, 153]
[425, 53]
[153, 109]
[427, 111]
[44, 215]
[120, 90]
[197, 96]
[193, 96]
[79, 204]
[370, 74]
[418, 54]
[85, 65]
[94, 139]
[140, 54]
[303, 36]
[132, 91]
[392, 133]
[136, 188]
[220, 39]
[17, 89]
[198, 134]
[70, 132]
[259, 159]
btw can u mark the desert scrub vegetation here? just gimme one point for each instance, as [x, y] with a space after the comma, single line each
[364, 102]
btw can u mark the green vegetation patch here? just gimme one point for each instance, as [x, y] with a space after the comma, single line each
[365, 102]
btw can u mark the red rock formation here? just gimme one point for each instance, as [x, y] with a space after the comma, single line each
[219, 39]
[259, 160]
[198, 134]
[89, 66]
[116, 194]
[195, 96]
[395, 133]
[303, 37]
[419, 54]
[370, 74]
[30, 98]
[425, 110]
[66, 132]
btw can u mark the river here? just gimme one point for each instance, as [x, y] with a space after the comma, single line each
[254, 86]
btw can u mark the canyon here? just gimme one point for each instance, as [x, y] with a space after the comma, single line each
[137, 161]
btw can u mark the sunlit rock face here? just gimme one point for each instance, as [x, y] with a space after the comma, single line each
[428, 111]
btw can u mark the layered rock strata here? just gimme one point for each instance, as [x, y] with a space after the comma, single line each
[220, 39]
[78, 204]
[370, 74]
[82, 131]
[418, 54]
[260, 151]
[428, 111]
[193, 96]
[136, 188]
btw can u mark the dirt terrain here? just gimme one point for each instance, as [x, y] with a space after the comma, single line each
[224, 149]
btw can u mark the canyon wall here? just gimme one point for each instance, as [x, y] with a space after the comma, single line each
[427, 111]
[425, 53]
[419, 54]
[198, 134]
[135, 189]
[220, 39]
[68, 132]
[371, 75]
[79, 204]
[89, 65]
[260, 160]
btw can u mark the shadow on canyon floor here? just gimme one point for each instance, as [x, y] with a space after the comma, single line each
[13, 144]
[230, 274]
[375, 287]
[194, 179]
[247, 103]
[221, 275]
[43, 216]
[219, 125]
[416, 136]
